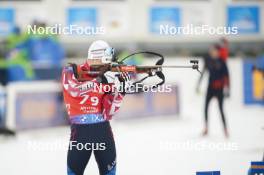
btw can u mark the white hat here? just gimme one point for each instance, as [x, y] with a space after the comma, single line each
[101, 50]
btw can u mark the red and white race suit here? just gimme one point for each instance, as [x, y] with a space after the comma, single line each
[85, 102]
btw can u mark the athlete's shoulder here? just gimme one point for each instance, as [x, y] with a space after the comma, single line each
[75, 68]
[84, 66]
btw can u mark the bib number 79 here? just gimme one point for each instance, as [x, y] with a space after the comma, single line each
[94, 100]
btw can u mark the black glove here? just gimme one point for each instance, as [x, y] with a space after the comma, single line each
[125, 82]
[124, 77]
[74, 68]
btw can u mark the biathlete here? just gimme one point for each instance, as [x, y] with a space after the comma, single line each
[90, 110]
[218, 85]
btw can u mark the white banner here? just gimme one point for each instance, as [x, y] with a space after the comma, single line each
[198, 14]
[115, 19]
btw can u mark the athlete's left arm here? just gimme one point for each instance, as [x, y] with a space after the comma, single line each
[111, 104]
[112, 101]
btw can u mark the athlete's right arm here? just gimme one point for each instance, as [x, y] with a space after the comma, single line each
[71, 84]
[76, 88]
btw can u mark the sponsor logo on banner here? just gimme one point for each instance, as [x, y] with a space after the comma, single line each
[257, 168]
[208, 173]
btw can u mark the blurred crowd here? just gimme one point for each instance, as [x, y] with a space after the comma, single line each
[25, 56]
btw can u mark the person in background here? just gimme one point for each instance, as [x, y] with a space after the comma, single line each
[10, 56]
[218, 85]
[16, 62]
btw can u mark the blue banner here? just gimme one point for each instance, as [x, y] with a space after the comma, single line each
[257, 168]
[83, 17]
[208, 173]
[162, 16]
[6, 21]
[245, 18]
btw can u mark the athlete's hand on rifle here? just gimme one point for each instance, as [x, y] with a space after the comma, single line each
[125, 82]
[124, 77]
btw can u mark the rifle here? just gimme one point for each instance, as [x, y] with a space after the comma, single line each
[119, 66]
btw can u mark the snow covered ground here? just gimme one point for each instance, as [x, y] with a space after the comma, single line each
[141, 146]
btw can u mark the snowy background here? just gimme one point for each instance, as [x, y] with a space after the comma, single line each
[141, 143]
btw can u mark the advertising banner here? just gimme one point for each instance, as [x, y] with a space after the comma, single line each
[82, 17]
[245, 18]
[6, 21]
[208, 173]
[256, 168]
[114, 19]
[149, 104]
[198, 15]
[162, 16]
[39, 109]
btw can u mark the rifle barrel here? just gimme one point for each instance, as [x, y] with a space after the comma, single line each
[176, 66]
[165, 66]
